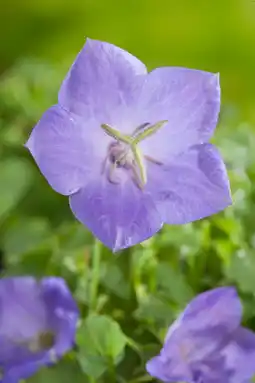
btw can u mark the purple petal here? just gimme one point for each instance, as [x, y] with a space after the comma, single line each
[169, 370]
[63, 313]
[20, 372]
[194, 186]
[240, 356]
[102, 80]
[28, 308]
[66, 149]
[204, 327]
[190, 347]
[22, 316]
[189, 100]
[212, 370]
[214, 308]
[120, 215]
[189, 357]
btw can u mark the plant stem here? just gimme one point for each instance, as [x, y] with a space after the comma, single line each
[95, 275]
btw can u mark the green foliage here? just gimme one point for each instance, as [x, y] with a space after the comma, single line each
[140, 291]
[14, 180]
[101, 345]
[65, 371]
[212, 35]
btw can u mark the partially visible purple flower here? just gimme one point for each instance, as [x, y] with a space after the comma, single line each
[130, 148]
[37, 325]
[206, 344]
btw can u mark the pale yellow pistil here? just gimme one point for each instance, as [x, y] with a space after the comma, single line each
[128, 144]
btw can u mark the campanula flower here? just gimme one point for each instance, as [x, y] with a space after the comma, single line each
[206, 344]
[37, 325]
[130, 148]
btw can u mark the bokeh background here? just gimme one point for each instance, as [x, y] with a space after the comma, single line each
[141, 290]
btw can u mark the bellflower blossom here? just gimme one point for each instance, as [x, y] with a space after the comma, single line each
[37, 325]
[207, 344]
[130, 148]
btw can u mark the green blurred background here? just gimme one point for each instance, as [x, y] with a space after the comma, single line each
[217, 35]
[141, 290]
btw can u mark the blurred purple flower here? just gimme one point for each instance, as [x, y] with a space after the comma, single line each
[206, 344]
[37, 325]
[130, 148]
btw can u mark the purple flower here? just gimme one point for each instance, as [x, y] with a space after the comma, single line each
[130, 148]
[37, 325]
[206, 344]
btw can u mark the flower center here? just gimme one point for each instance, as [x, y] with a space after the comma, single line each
[42, 341]
[120, 154]
[124, 152]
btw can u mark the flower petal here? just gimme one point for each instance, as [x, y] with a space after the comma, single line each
[22, 316]
[120, 215]
[20, 372]
[189, 100]
[205, 326]
[169, 370]
[32, 307]
[62, 312]
[218, 307]
[194, 186]
[65, 154]
[240, 356]
[212, 370]
[102, 79]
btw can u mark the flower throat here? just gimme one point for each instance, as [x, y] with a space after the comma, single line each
[124, 152]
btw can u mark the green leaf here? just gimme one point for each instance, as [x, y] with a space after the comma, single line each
[187, 238]
[241, 270]
[173, 283]
[153, 309]
[101, 344]
[92, 365]
[25, 235]
[113, 279]
[15, 176]
[65, 371]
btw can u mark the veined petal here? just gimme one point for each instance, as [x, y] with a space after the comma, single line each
[239, 356]
[220, 307]
[102, 80]
[120, 215]
[213, 370]
[205, 326]
[65, 151]
[195, 185]
[189, 100]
